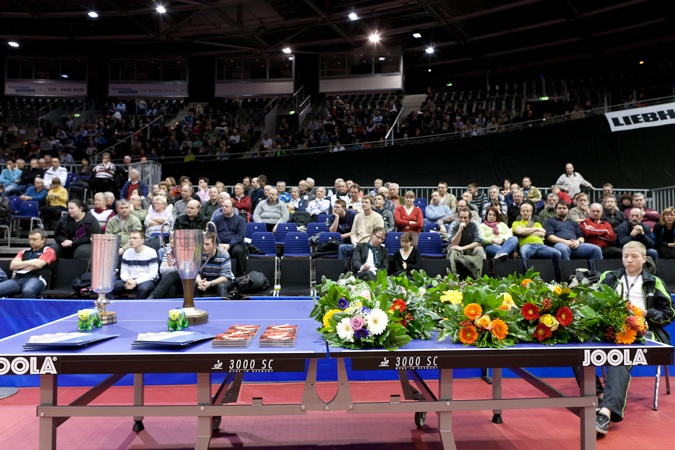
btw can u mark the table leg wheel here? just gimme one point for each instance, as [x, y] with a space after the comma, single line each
[138, 426]
[420, 418]
[497, 418]
[215, 423]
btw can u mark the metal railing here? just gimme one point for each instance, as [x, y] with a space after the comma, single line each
[147, 128]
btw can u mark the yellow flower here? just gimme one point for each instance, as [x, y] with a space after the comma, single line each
[484, 322]
[550, 321]
[507, 302]
[473, 311]
[637, 311]
[557, 289]
[499, 329]
[327, 316]
[454, 297]
[626, 336]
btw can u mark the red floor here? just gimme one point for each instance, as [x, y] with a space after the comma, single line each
[521, 430]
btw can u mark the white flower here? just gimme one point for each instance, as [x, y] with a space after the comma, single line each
[377, 321]
[365, 294]
[421, 291]
[345, 330]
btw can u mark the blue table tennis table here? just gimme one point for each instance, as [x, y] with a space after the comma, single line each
[117, 358]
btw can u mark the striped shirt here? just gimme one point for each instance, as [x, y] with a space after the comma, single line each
[219, 265]
[142, 266]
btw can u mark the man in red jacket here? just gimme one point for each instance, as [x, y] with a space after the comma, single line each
[599, 232]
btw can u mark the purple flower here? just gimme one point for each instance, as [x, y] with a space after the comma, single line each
[360, 334]
[365, 310]
[343, 303]
[357, 323]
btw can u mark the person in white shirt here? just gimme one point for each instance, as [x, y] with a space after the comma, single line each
[139, 269]
[55, 171]
[320, 205]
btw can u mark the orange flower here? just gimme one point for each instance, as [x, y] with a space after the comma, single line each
[499, 329]
[525, 282]
[468, 335]
[484, 322]
[626, 336]
[472, 311]
[637, 311]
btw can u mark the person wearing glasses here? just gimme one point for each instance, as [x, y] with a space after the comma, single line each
[371, 256]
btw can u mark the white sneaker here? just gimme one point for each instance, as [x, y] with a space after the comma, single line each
[501, 256]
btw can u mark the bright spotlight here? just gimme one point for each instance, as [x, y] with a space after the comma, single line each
[429, 50]
[417, 35]
[92, 14]
[374, 38]
[13, 44]
[161, 9]
[286, 50]
[353, 16]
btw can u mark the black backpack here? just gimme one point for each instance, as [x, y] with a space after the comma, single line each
[252, 282]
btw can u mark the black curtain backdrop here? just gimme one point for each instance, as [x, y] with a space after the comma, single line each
[630, 159]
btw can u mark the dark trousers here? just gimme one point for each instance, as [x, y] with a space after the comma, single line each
[103, 185]
[170, 286]
[615, 391]
[238, 253]
[142, 291]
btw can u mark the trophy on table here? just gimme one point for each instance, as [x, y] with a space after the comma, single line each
[104, 253]
[187, 248]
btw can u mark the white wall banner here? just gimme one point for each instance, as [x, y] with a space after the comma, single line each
[32, 88]
[649, 116]
[253, 88]
[168, 89]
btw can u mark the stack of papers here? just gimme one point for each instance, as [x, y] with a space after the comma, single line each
[169, 339]
[236, 336]
[65, 340]
[279, 336]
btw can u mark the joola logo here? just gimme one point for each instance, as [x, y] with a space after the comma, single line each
[615, 357]
[27, 366]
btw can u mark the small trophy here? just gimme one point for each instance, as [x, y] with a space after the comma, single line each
[104, 253]
[188, 246]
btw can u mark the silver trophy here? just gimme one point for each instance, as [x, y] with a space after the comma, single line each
[104, 253]
[187, 248]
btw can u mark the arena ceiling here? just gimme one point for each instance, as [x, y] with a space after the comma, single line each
[467, 35]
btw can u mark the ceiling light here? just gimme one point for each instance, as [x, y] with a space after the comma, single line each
[353, 16]
[161, 9]
[641, 62]
[381, 58]
[374, 38]
[286, 50]
[13, 44]
[417, 35]
[92, 14]
[64, 76]
[429, 50]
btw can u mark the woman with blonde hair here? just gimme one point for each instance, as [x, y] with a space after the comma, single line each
[664, 234]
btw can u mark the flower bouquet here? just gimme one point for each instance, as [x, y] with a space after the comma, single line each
[353, 316]
[386, 313]
[482, 314]
[551, 314]
[612, 317]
